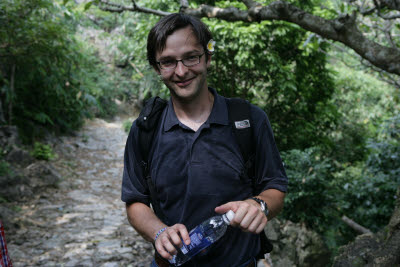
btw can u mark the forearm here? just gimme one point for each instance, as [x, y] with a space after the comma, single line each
[143, 219]
[274, 199]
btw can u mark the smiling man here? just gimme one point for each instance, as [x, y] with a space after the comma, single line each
[196, 164]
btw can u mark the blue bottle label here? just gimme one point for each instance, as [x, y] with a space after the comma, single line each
[198, 242]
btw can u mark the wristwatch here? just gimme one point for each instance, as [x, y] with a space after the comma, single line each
[264, 206]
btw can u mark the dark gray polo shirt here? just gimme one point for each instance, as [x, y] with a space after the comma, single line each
[194, 172]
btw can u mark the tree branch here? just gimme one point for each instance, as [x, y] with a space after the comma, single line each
[367, 12]
[360, 229]
[389, 17]
[342, 29]
[113, 7]
[390, 4]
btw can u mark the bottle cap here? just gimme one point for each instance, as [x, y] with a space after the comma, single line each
[230, 214]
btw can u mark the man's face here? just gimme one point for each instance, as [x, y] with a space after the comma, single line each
[185, 83]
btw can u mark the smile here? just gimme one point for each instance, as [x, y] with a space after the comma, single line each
[184, 83]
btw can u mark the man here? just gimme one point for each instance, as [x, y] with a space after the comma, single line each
[196, 163]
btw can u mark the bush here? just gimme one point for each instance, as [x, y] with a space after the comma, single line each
[268, 64]
[310, 199]
[49, 79]
[322, 190]
[126, 125]
[42, 151]
[369, 191]
[364, 102]
[4, 168]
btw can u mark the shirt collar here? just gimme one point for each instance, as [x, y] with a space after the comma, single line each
[219, 112]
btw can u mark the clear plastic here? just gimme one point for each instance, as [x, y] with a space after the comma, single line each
[202, 236]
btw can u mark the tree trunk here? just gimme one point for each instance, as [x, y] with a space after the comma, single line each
[381, 249]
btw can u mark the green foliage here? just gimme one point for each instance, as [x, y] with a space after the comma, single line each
[363, 104]
[3, 200]
[310, 199]
[369, 188]
[50, 80]
[126, 37]
[4, 167]
[126, 125]
[384, 158]
[39, 66]
[42, 151]
[321, 190]
[270, 65]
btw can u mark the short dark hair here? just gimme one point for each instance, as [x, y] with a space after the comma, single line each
[167, 25]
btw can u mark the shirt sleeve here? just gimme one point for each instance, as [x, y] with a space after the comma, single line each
[269, 170]
[134, 186]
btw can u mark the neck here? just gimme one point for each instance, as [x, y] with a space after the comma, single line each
[195, 112]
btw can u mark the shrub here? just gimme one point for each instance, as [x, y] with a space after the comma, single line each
[309, 199]
[126, 125]
[42, 151]
[369, 192]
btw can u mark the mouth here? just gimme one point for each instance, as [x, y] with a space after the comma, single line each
[184, 83]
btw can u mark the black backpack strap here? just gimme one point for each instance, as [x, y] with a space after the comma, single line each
[242, 126]
[147, 122]
[239, 117]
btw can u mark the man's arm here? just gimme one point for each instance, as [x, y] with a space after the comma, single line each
[147, 224]
[248, 214]
[274, 199]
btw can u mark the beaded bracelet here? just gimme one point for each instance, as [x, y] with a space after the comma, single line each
[159, 233]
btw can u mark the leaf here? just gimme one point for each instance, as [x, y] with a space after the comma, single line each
[90, 99]
[42, 118]
[65, 2]
[88, 5]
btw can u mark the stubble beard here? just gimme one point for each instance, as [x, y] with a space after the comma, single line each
[190, 98]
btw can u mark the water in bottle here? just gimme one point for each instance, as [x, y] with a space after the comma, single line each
[203, 236]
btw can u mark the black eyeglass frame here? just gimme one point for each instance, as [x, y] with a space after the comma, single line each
[181, 60]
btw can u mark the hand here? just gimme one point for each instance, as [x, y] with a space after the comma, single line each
[248, 215]
[169, 240]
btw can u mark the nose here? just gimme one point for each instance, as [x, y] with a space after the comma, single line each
[181, 69]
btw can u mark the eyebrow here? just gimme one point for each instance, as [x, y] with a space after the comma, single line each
[189, 53]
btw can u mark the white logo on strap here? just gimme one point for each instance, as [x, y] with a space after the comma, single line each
[242, 124]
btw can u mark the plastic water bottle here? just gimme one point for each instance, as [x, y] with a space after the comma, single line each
[202, 236]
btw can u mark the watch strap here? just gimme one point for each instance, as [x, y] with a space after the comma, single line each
[264, 206]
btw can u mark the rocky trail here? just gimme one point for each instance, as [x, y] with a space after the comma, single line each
[82, 221]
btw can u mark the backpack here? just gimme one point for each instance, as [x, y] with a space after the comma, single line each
[239, 118]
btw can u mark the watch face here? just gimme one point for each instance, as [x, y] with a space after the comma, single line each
[264, 207]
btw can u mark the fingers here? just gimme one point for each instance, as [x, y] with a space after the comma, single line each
[183, 233]
[170, 240]
[249, 217]
[227, 207]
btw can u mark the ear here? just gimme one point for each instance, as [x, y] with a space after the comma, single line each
[209, 56]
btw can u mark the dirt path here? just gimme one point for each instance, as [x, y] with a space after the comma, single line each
[82, 222]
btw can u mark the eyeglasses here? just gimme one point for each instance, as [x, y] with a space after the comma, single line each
[170, 64]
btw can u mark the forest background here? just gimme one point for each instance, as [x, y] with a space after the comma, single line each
[334, 114]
